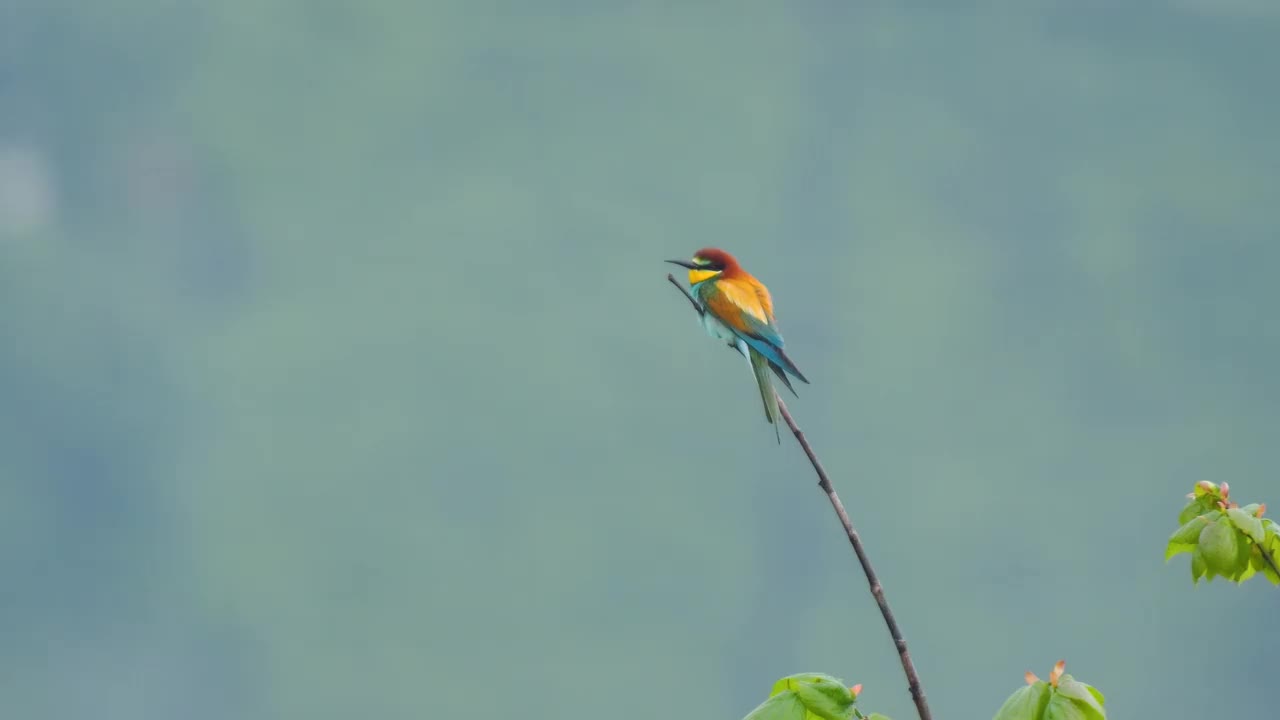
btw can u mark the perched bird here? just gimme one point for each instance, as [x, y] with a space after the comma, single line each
[737, 308]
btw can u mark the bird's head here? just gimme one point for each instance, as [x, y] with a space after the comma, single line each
[706, 264]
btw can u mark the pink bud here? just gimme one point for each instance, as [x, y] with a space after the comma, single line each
[1057, 672]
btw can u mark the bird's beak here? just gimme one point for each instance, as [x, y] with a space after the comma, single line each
[683, 263]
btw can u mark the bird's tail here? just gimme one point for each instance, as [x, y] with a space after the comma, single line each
[760, 366]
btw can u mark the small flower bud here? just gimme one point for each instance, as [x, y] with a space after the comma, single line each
[1057, 672]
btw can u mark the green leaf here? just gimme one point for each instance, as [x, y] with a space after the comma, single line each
[1271, 529]
[829, 701]
[1202, 501]
[1173, 549]
[1198, 567]
[1269, 573]
[1255, 558]
[806, 696]
[1244, 552]
[1061, 707]
[1184, 539]
[779, 707]
[1220, 544]
[1027, 703]
[1272, 549]
[1204, 488]
[1248, 524]
[1081, 696]
[877, 716]
[1193, 509]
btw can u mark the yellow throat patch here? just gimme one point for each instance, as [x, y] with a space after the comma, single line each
[697, 276]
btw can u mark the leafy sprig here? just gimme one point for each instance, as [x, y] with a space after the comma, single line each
[815, 696]
[1225, 539]
[1061, 698]
[812, 696]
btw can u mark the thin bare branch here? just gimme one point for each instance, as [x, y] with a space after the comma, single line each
[877, 591]
[696, 307]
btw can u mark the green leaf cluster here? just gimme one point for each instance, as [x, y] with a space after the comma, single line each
[1224, 539]
[1065, 699]
[810, 696]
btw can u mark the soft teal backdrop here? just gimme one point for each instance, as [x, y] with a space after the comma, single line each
[341, 378]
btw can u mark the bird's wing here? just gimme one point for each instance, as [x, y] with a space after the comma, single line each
[738, 306]
[766, 302]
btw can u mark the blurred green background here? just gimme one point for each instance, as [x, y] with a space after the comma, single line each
[342, 379]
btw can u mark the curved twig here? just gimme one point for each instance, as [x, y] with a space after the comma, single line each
[696, 307]
[877, 591]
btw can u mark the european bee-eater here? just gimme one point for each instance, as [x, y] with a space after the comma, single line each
[737, 308]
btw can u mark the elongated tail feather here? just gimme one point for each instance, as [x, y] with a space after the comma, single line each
[760, 366]
[776, 355]
[782, 375]
[742, 348]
